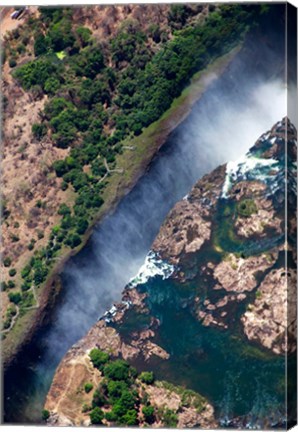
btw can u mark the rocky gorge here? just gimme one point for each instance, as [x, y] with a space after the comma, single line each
[220, 272]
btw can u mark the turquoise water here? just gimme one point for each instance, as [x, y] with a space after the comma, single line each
[244, 381]
[239, 378]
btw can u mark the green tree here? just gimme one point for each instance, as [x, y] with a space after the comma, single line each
[117, 370]
[98, 357]
[130, 418]
[148, 413]
[96, 416]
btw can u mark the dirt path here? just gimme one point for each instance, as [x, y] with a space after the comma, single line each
[109, 171]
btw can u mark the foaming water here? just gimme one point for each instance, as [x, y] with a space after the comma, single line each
[235, 110]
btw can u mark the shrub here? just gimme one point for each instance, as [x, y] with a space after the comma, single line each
[98, 357]
[147, 377]
[40, 235]
[7, 261]
[30, 246]
[11, 284]
[88, 387]
[45, 414]
[148, 413]
[15, 297]
[4, 286]
[12, 272]
[12, 62]
[96, 416]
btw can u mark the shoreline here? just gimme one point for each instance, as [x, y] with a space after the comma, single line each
[135, 164]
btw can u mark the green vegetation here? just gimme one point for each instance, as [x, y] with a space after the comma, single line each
[147, 377]
[169, 418]
[118, 390]
[12, 272]
[118, 370]
[35, 73]
[15, 297]
[121, 394]
[246, 207]
[258, 294]
[188, 397]
[88, 387]
[10, 313]
[7, 262]
[148, 413]
[99, 358]
[39, 130]
[96, 416]
[45, 414]
[100, 94]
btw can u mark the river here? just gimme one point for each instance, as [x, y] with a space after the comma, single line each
[233, 112]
